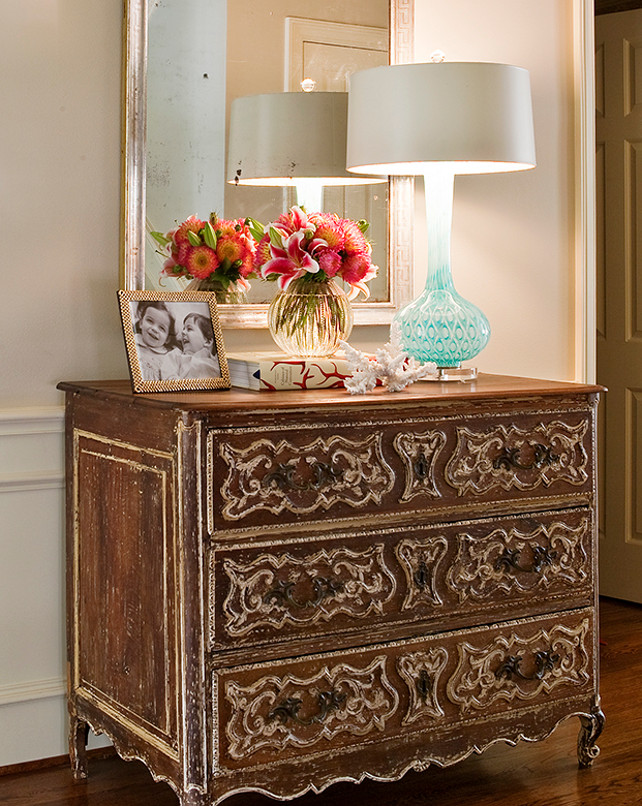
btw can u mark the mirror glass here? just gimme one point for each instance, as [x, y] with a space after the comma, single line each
[186, 62]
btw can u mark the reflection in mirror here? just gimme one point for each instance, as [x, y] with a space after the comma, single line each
[196, 59]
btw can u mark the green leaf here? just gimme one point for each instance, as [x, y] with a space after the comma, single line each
[257, 230]
[193, 238]
[160, 238]
[276, 237]
[209, 235]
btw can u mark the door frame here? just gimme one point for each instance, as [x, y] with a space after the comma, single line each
[585, 191]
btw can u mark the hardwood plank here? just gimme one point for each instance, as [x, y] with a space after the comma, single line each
[541, 774]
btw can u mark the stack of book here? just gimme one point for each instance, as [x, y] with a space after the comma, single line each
[273, 372]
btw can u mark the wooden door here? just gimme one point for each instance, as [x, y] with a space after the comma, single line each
[619, 275]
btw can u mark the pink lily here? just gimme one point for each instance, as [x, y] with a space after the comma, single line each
[360, 285]
[290, 261]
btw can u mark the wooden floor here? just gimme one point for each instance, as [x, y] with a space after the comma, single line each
[542, 774]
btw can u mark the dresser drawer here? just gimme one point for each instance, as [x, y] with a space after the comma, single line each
[321, 703]
[367, 581]
[435, 465]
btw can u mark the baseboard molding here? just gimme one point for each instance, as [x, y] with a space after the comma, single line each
[15, 693]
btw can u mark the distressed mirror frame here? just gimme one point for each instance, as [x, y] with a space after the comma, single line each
[132, 271]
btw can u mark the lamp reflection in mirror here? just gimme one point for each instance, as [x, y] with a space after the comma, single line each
[437, 120]
[292, 139]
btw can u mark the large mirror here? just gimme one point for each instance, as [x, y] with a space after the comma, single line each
[185, 62]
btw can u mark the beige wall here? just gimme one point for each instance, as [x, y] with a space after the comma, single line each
[513, 234]
[60, 197]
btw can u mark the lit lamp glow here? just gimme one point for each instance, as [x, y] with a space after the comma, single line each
[437, 120]
[291, 139]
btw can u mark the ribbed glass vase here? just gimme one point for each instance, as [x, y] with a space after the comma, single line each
[225, 295]
[310, 317]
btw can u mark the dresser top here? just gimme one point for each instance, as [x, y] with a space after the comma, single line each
[485, 387]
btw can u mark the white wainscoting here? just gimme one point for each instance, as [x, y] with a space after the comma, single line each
[33, 721]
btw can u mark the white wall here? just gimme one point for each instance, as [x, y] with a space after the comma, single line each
[59, 213]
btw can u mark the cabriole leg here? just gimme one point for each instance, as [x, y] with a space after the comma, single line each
[592, 726]
[78, 734]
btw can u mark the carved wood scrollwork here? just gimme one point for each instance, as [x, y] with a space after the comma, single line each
[420, 560]
[492, 672]
[419, 452]
[279, 590]
[421, 671]
[277, 713]
[512, 561]
[508, 457]
[303, 478]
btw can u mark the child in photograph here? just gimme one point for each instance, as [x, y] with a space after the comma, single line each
[156, 344]
[199, 358]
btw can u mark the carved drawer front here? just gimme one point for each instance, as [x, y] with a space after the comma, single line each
[267, 592]
[523, 665]
[487, 672]
[499, 567]
[448, 574]
[279, 711]
[521, 457]
[331, 703]
[275, 477]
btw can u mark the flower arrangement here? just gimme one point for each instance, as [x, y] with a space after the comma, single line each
[219, 253]
[316, 247]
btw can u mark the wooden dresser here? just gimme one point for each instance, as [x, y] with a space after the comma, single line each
[276, 591]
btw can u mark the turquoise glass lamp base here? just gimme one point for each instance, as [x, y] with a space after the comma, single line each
[440, 325]
[443, 327]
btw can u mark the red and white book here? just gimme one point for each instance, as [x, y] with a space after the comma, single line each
[274, 371]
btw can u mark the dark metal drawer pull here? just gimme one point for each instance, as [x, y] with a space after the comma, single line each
[327, 702]
[509, 560]
[322, 587]
[542, 455]
[545, 661]
[323, 475]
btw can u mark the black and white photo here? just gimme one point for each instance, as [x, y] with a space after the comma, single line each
[173, 340]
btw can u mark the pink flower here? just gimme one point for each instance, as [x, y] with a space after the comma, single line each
[355, 240]
[360, 284]
[331, 228]
[329, 261]
[297, 244]
[290, 261]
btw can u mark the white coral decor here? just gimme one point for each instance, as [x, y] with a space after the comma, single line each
[390, 364]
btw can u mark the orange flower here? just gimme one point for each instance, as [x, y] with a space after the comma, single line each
[201, 262]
